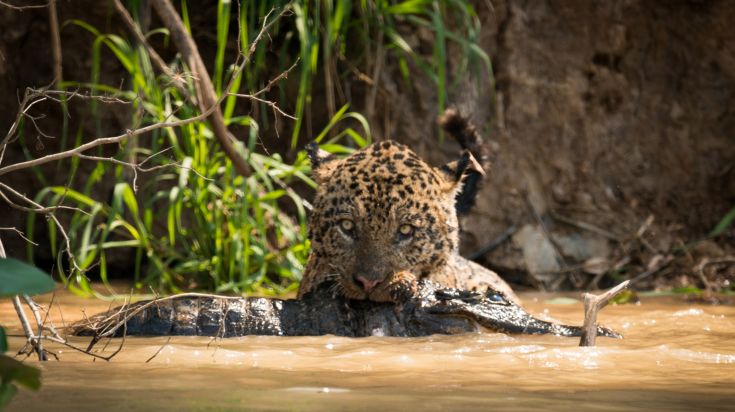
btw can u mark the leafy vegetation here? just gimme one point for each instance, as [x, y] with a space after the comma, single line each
[192, 221]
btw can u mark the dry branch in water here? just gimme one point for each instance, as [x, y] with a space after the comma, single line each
[592, 305]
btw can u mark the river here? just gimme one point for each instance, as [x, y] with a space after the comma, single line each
[675, 356]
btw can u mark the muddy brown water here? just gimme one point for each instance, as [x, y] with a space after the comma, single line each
[675, 356]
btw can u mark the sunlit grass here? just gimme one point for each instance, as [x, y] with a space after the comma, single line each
[194, 222]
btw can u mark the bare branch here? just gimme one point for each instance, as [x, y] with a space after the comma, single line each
[103, 141]
[33, 96]
[55, 40]
[273, 105]
[137, 167]
[159, 350]
[21, 8]
[49, 212]
[277, 79]
[20, 233]
[36, 207]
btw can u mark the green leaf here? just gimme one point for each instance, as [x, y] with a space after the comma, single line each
[561, 301]
[13, 370]
[688, 290]
[408, 7]
[7, 391]
[625, 297]
[18, 277]
[723, 224]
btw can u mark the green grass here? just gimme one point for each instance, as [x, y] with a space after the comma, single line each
[194, 223]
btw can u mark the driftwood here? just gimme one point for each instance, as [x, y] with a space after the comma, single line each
[592, 305]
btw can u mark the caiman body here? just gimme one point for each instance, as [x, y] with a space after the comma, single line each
[434, 311]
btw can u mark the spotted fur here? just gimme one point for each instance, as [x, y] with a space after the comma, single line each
[383, 218]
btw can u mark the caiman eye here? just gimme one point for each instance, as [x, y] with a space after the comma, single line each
[347, 225]
[405, 230]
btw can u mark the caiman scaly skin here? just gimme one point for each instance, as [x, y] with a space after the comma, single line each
[434, 310]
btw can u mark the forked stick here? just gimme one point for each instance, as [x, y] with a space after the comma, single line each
[592, 305]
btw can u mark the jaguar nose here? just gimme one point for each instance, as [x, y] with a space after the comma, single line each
[367, 284]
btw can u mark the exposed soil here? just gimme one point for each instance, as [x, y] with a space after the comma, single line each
[605, 114]
[612, 126]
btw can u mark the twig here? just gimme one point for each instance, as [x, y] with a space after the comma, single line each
[72, 94]
[137, 167]
[277, 79]
[664, 261]
[620, 263]
[40, 209]
[592, 305]
[273, 105]
[493, 244]
[159, 350]
[31, 339]
[55, 41]
[270, 84]
[23, 106]
[699, 269]
[66, 343]
[642, 230]
[47, 324]
[20, 233]
[33, 96]
[37, 208]
[36, 315]
[584, 225]
[103, 141]
[21, 8]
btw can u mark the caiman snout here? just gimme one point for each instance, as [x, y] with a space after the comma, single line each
[367, 284]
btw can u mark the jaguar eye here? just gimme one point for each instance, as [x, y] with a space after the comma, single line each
[346, 225]
[405, 230]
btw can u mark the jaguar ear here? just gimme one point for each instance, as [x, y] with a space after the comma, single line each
[453, 172]
[323, 163]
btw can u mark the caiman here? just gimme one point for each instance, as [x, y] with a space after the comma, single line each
[434, 310]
